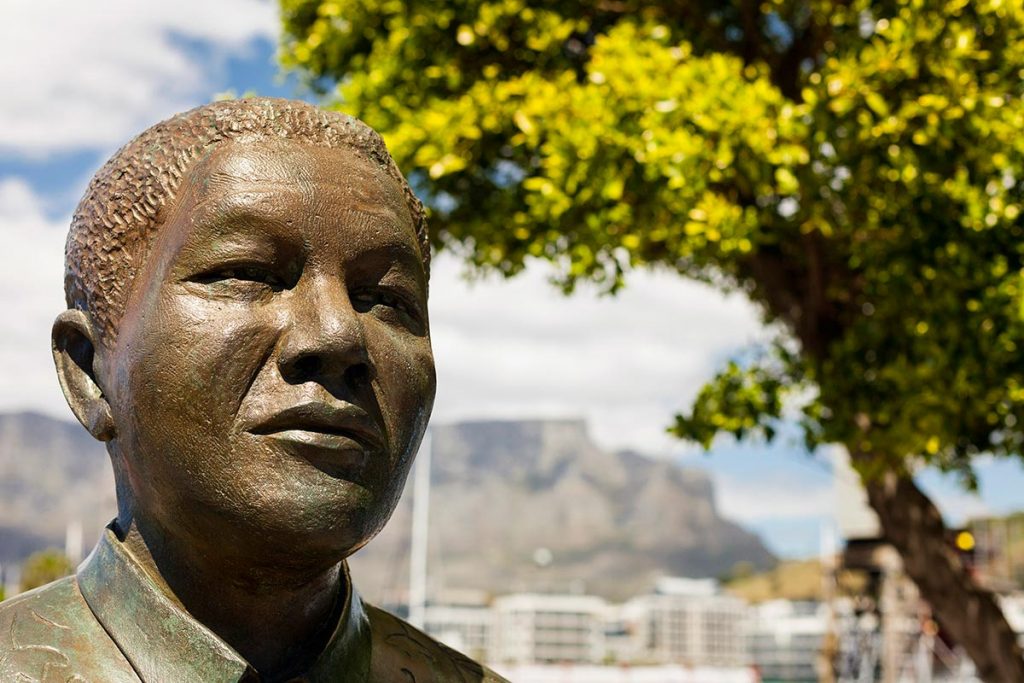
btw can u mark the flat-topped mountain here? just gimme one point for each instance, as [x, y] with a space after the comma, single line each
[507, 494]
[515, 505]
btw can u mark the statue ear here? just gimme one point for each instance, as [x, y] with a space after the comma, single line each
[74, 353]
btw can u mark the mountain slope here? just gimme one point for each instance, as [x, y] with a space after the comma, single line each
[504, 490]
[51, 472]
[504, 495]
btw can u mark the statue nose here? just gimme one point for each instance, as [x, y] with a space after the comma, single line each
[324, 339]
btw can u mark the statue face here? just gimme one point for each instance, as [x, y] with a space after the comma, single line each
[272, 374]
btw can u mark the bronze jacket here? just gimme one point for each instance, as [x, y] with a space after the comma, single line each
[110, 623]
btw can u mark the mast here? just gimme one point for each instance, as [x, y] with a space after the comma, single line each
[73, 541]
[420, 528]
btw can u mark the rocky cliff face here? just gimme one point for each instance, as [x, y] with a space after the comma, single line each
[504, 495]
[51, 473]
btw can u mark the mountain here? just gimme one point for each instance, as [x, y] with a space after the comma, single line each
[515, 505]
[505, 494]
[51, 472]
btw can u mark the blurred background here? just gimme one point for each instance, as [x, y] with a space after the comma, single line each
[691, 256]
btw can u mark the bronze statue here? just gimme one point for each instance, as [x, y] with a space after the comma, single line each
[247, 331]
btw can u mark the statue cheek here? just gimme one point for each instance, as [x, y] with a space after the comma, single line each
[421, 359]
[401, 359]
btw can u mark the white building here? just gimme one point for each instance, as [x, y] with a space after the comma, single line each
[1013, 609]
[785, 639]
[466, 628]
[669, 673]
[687, 621]
[549, 629]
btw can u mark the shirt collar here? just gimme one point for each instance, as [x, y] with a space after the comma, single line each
[165, 643]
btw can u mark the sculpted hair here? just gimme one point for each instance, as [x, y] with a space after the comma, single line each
[125, 202]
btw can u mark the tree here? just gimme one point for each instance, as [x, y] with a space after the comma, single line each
[40, 568]
[855, 167]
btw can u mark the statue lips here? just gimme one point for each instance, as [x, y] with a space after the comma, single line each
[336, 439]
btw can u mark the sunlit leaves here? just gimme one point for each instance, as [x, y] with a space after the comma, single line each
[854, 166]
[741, 401]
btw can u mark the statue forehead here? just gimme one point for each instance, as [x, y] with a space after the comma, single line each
[282, 182]
[288, 162]
[340, 174]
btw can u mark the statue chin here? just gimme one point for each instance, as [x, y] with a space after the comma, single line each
[290, 527]
[330, 530]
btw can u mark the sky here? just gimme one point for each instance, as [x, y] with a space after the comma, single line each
[80, 79]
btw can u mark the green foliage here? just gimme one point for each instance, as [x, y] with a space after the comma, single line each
[854, 166]
[741, 401]
[43, 567]
[739, 571]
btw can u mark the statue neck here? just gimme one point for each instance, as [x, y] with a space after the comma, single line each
[278, 618]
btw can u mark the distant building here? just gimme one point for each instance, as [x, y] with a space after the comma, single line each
[466, 628]
[998, 557]
[785, 639]
[666, 673]
[621, 645]
[549, 629]
[687, 621]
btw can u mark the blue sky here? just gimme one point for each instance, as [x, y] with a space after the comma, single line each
[58, 176]
[514, 349]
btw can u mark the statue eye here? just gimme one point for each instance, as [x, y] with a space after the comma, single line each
[390, 302]
[243, 276]
[366, 299]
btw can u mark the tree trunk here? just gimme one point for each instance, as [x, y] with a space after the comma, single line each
[970, 614]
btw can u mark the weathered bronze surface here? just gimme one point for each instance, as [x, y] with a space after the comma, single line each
[248, 332]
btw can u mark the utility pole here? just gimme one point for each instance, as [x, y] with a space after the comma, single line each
[420, 529]
[73, 541]
[828, 557]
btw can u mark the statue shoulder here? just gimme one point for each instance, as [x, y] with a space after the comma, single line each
[403, 653]
[51, 634]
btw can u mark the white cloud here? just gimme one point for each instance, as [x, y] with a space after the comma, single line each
[959, 508]
[31, 287]
[750, 500]
[90, 74]
[519, 348]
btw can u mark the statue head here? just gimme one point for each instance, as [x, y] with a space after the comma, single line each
[247, 329]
